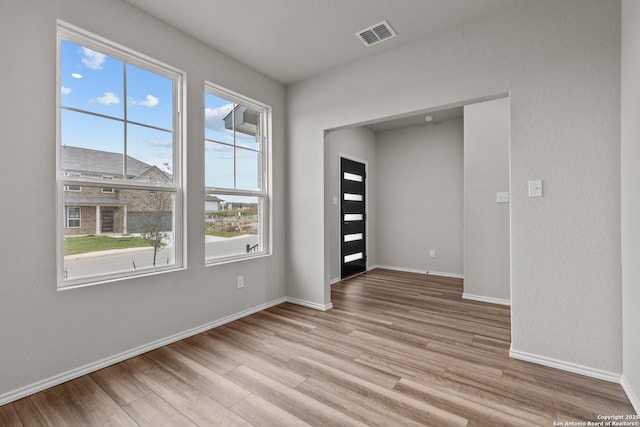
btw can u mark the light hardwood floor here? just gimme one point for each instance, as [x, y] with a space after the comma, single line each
[398, 349]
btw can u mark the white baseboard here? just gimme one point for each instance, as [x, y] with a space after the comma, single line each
[633, 397]
[309, 304]
[108, 361]
[418, 271]
[566, 366]
[445, 274]
[334, 281]
[490, 300]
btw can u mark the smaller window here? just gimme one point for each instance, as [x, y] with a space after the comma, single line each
[236, 176]
[107, 190]
[73, 217]
[74, 188]
[153, 181]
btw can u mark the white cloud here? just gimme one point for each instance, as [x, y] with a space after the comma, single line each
[65, 90]
[109, 98]
[150, 101]
[92, 59]
[213, 117]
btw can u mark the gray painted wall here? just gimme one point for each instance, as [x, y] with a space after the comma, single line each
[45, 332]
[566, 250]
[419, 184]
[359, 144]
[486, 223]
[566, 291]
[630, 90]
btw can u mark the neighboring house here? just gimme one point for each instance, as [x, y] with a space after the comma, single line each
[243, 120]
[95, 210]
[212, 204]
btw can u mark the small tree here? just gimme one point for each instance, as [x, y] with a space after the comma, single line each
[153, 229]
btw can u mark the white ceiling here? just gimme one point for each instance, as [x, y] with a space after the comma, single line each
[291, 40]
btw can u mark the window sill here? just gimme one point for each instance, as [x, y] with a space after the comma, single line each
[82, 283]
[235, 258]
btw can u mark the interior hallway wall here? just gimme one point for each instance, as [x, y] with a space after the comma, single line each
[419, 184]
[486, 222]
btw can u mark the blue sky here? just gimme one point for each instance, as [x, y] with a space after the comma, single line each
[219, 158]
[93, 82]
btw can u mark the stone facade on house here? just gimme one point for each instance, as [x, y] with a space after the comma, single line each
[90, 210]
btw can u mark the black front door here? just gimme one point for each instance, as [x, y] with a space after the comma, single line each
[106, 220]
[353, 254]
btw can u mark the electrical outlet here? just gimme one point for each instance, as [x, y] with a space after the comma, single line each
[240, 282]
[432, 253]
[535, 188]
[502, 197]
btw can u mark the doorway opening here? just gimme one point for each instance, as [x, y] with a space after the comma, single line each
[106, 221]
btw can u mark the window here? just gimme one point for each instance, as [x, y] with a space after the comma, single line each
[75, 188]
[107, 190]
[118, 120]
[153, 181]
[236, 176]
[73, 217]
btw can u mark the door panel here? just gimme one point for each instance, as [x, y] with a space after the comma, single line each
[107, 221]
[353, 218]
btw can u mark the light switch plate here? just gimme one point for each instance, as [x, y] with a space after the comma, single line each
[535, 188]
[502, 197]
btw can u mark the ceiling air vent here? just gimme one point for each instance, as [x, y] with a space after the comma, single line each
[376, 33]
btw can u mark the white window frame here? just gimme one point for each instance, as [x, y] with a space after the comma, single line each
[72, 188]
[79, 36]
[264, 176]
[68, 217]
[108, 190]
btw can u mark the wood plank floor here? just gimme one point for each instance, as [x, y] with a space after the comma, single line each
[398, 349]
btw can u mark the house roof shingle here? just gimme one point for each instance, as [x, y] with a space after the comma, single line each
[212, 198]
[100, 162]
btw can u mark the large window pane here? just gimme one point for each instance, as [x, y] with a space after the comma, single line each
[232, 225]
[216, 109]
[147, 147]
[219, 165]
[91, 81]
[232, 145]
[132, 232]
[149, 98]
[247, 169]
[91, 132]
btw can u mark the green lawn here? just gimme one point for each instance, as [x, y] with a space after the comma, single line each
[223, 233]
[80, 245]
